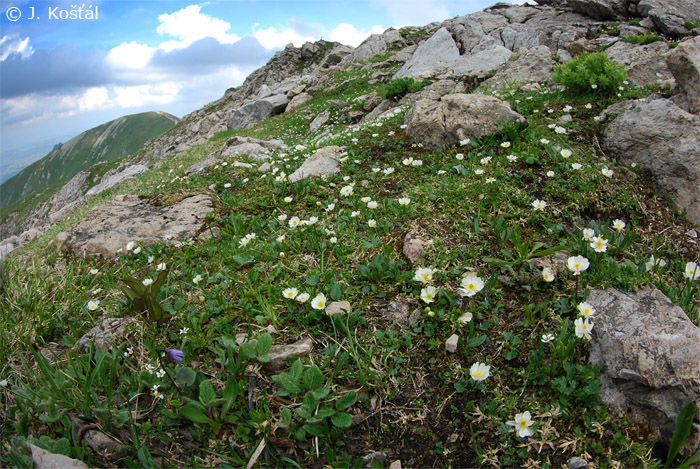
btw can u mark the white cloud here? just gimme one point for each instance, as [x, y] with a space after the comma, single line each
[190, 25]
[414, 12]
[347, 34]
[12, 44]
[137, 96]
[130, 55]
[271, 38]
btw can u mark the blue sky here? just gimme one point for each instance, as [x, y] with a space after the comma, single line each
[59, 77]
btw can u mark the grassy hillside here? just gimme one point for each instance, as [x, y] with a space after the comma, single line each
[115, 139]
[370, 383]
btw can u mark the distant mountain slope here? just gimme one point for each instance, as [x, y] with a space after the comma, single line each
[115, 139]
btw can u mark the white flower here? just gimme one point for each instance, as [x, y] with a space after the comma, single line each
[302, 297]
[93, 305]
[471, 285]
[417, 163]
[544, 141]
[588, 106]
[585, 310]
[479, 172]
[441, 172]
[346, 190]
[319, 301]
[282, 217]
[281, 238]
[407, 161]
[459, 156]
[583, 328]
[691, 271]
[128, 352]
[522, 424]
[424, 274]
[512, 158]
[539, 204]
[619, 225]
[489, 180]
[464, 142]
[372, 204]
[147, 281]
[567, 108]
[197, 279]
[227, 185]
[547, 338]
[94, 271]
[565, 153]
[294, 222]
[479, 371]
[550, 173]
[653, 262]
[288, 199]
[184, 330]
[372, 223]
[599, 244]
[333, 240]
[588, 234]
[548, 274]
[505, 144]
[576, 166]
[130, 245]
[388, 171]
[330, 207]
[151, 259]
[364, 200]
[577, 264]
[594, 86]
[428, 294]
[160, 373]
[376, 170]
[354, 213]
[485, 160]
[137, 250]
[559, 130]
[404, 201]
[312, 220]
[607, 172]
[290, 293]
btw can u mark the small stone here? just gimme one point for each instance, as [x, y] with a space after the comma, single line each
[279, 354]
[395, 465]
[108, 331]
[375, 455]
[451, 344]
[413, 247]
[338, 307]
[577, 463]
[265, 167]
[45, 460]
[241, 338]
[692, 234]
[465, 318]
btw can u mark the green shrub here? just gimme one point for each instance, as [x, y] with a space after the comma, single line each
[644, 39]
[400, 87]
[590, 74]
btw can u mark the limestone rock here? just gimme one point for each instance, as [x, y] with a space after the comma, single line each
[465, 318]
[6, 249]
[109, 227]
[600, 9]
[201, 165]
[401, 311]
[324, 161]
[112, 180]
[45, 460]
[320, 120]
[641, 62]
[108, 331]
[456, 117]
[250, 114]
[278, 101]
[451, 343]
[297, 101]
[338, 307]
[533, 65]
[280, 354]
[669, 16]
[665, 140]
[71, 190]
[368, 461]
[649, 354]
[413, 247]
[253, 151]
[102, 444]
[684, 62]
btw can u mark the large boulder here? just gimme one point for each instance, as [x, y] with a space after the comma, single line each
[323, 162]
[455, 117]
[648, 351]
[532, 66]
[684, 62]
[107, 229]
[250, 114]
[641, 62]
[112, 180]
[670, 16]
[664, 139]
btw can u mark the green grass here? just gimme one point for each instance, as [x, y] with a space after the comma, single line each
[369, 384]
[643, 39]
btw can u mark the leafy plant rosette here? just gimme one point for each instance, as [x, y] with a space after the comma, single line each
[145, 297]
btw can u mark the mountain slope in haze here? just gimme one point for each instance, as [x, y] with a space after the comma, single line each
[114, 139]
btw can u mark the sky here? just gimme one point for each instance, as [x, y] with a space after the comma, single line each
[66, 67]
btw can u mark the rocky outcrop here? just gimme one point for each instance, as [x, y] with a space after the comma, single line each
[664, 139]
[641, 61]
[323, 162]
[103, 335]
[684, 62]
[111, 180]
[108, 228]
[649, 354]
[456, 117]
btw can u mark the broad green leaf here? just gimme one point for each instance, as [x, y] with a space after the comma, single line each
[476, 341]
[206, 392]
[315, 429]
[158, 284]
[336, 292]
[247, 349]
[296, 369]
[286, 416]
[230, 393]
[61, 446]
[289, 383]
[312, 280]
[304, 412]
[342, 420]
[684, 424]
[264, 344]
[313, 377]
[346, 400]
[191, 412]
[310, 401]
[320, 393]
[138, 287]
[185, 376]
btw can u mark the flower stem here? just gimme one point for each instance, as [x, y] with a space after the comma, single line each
[165, 369]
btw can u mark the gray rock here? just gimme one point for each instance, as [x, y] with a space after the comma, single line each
[413, 247]
[250, 114]
[29, 235]
[370, 47]
[641, 62]
[338, 307]
[107, 333]
[599, 9]
[665, 140]
[452, 343]
[669, 16]
[320, 120]
[371, 457]
[401, 311]
[684, 62]
[297, 101]
[113, 180]
[577, 463]
[532, 65]
[45, 460]
[395, 464]
[649, 354]
[456, 117]
[71, 190]
[280, 354]
[253, 151]
[437, 90]
[278, 101]
[323, 162]
[201, 165]
[6, 249]
[100, 443]
[272, 145]
[109, 227]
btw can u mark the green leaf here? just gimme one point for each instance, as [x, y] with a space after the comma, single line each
[185, 376]
[242, 259]
[296, 369]
[683, 425]
[248, 349]
[336, 292]
[286, 416]
[230, 393]
[310, 401]
[346, 401]
[320, 393]
[206, 392]
[313, 377]
[315, 429]
[264, 344]
[158, 283]
[304, 412]
[61, 446]
[289, 383]
[193, 413]
[342, 420]
[476, 341]
[131, 294]
[312, 280]
[138, 287]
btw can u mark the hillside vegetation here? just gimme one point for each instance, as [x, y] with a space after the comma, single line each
[189, 383]
[115, 139]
